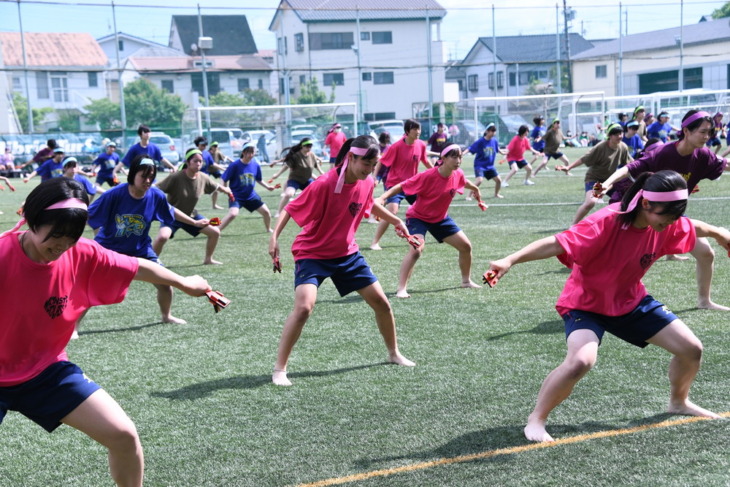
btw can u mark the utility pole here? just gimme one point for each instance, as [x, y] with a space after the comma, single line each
[568, 14]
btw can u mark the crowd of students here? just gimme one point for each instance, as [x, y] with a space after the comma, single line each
[608, 251]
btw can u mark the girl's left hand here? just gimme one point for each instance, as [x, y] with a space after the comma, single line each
[195, 286]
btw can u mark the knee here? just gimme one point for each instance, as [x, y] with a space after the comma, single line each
[124, 438]
[577, 367]
[692, 351]
[381, 305]
[304, 310]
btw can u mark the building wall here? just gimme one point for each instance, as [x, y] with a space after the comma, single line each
[76, 94]
[130, 46]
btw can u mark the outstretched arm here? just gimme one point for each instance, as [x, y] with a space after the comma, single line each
[540, 249]
[394, 190]
[381, 212]
[720, 234]
[151, 272]
[616, 176]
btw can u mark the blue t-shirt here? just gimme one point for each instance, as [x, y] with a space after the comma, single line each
[124, 222]
[88, 185]
[151, 151]
[635, 144]
[50, 169]
[484, 151]
[243, 178]
[106, 163]
[207, 162]
[660, 130]
[538, 131]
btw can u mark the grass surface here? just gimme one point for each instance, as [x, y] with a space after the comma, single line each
[201, 397]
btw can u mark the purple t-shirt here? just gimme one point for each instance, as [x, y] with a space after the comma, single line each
[701, 164]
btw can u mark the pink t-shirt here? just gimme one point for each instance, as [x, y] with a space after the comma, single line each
[402, 159]
[329, 221]
[335, 141]
[435, 193]
[42, 302]
[609, 260]
[517, 147]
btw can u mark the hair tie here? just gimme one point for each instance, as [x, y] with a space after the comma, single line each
[358, 151]
[191, 153]
[67, 203]
[693, 117]
[146, 162]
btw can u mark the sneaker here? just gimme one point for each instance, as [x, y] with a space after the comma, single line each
[529, 183]
[505, 184]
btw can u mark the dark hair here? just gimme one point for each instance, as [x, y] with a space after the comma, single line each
[410, 124]
[248, 148]
[696, 124]
[451, 153]
[440, 124]
[290, 151]
[523, 130]
[64, 222]
[136, 167]
[142, 128]
[658, 182]
[198, 140]
[361, 142]
[52, 144]
[70, 162]
[615, 129]
[384, 138]
[537, 120]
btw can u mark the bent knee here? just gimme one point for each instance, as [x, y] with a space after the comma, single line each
[123, 437]
[304, 310]
[577, 367]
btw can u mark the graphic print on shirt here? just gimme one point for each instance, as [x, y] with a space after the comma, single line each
[646, 260]
[129, 225]
[55, 306]
[247, 179]
[488, 152]
[354, 208]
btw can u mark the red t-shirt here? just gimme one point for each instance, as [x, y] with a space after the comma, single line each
[435, 193]
[329, 220]
[335, 141]
[403, 159]
[516, 148]
[42, 302]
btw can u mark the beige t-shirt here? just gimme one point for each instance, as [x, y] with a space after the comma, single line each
[602, 161]
[183, 193]
[301, 167]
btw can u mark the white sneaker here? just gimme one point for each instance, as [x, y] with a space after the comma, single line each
[505, 184]
[529, 183]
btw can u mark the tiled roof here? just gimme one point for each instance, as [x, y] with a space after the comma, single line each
[184, 64]
[231, 33]
[53, 50]
[534, 48]
[350, 10]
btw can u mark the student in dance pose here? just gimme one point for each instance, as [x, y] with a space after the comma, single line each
[329, 212]
[301, 162]
[485, 150]
[516, 156]
[51, 276]
[608, 254]
[553, 138]
[104, 166]
[436, 188]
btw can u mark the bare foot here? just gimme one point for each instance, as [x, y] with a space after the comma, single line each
[470, 284]
[468, 198]
[707, 304]
[216, 207]
[270, 230]
[174, 320]
[402, 293]
[535, 431]
[676, 257]
[212, 262]
[279, 378]
[398, 359]
[498, 196]
[75, 335]
[376, 247]
[690, 409]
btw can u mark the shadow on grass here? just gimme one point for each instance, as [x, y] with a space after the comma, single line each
[205, 389]
[544, 328]
[83, 332]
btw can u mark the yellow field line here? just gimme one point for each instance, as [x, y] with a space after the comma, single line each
[503, 451]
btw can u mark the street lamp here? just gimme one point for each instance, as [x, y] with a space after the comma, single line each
[203, 44]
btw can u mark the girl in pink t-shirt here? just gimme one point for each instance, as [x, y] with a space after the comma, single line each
[516, 156]
[608, 254]
[330, 211]
[334, 141]
[436, 188]
[50, 278]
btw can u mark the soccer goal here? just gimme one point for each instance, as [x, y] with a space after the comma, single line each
[274, 127]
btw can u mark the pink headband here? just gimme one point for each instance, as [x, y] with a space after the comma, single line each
[661, 197]
[694, 117]
[449, 149]
[358, 151]
[69, 203]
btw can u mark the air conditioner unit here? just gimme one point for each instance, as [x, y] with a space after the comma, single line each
[205, 42]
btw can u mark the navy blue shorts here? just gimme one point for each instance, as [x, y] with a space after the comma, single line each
[50, 396]
[105, 179]
[485, 172]
[349, 273]
[636, 327]
[555, 155]
[290, 183]
[252, 204]
[398, 197]
[520, 164]
[440, 230]
[713, 142]
[333, 160]
[192, 230]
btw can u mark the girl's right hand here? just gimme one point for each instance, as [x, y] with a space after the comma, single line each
[500, 267]
[274, 247]
[195, 286]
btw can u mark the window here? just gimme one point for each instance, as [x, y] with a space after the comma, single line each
[374, 117]
[302, 79]
[337, 79]
[382, 38]
[59, 85]
[364, 36]
[214, 83]
[383, 78]
[513, 79]
[367, 76]
[93, 79]
[472, 82]
[320, 41]
[490, 81]
[16, 84]
[524, 78]
[461, 84]
[299, 42]
[669, 80]
[242, 84]
[121, 45]
[168, 85]
[281, 45]
[601, 71]
[261, 84]
[41, 81]
[500, 79]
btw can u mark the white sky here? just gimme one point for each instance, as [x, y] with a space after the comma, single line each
[465, 22]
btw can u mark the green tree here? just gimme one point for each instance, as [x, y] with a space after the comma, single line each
[258, 98]
[310, 94]
[225, 99]
[147, 104]
[69, 121]
[105, 113]
[722, 12]
[21, 109]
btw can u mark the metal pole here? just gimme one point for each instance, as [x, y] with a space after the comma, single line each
[359, 68]
[31, 129]
[430, 69]
[681, 45]
[494, 54]
[205, 74]
[567, 47]
[620, 53]
[122, 107]
[559, 80]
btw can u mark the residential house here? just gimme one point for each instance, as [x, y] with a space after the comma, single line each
[384, 55]
[649, 62]
[65, 71]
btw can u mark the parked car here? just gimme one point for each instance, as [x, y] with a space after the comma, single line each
[394, 127]
[228, 142]
[166, 145]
